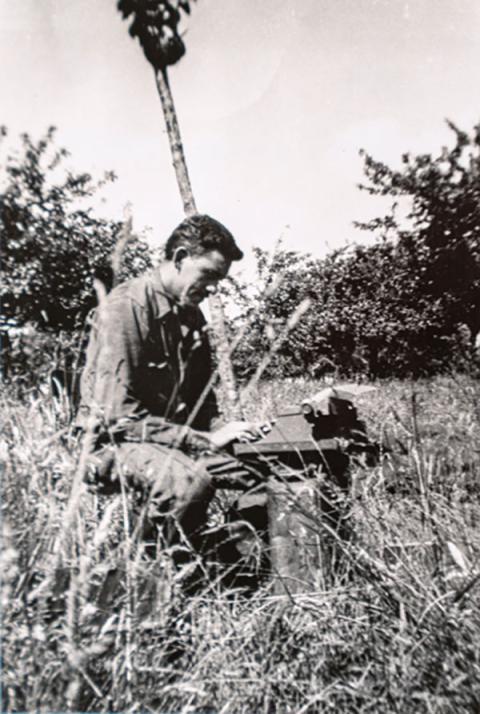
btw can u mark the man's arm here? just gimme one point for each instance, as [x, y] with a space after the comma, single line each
[114, 356]
[115, 353]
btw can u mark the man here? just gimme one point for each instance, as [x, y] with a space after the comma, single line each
[147, 408]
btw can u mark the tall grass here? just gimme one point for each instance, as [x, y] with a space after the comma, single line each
[91, 622]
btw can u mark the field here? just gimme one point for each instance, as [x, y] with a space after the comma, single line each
[91, 623]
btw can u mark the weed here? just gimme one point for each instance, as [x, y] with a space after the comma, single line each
[91, 622]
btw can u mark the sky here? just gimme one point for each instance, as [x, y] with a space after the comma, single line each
[275, 99]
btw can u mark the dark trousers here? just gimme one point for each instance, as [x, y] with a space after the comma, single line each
[175, 488]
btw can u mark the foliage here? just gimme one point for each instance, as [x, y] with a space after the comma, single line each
[397, 630]
[53, 248]
[33, 357]
[408, 305]
[261, 309]
[354, 324]
[52, 245]
[155, 23]
[442, 235]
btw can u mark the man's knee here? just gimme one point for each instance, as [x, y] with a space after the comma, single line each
[161, 473]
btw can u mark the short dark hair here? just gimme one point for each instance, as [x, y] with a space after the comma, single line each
[201, 234]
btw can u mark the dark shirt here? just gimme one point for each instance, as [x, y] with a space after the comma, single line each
[148, 363]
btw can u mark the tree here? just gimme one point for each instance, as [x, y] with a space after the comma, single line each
[408, 305]
[369, 314]
[263, 307]
[444, 225]
[52, 245]
[155, 24]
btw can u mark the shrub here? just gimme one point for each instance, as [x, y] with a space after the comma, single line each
[406, 306]
[53, 247]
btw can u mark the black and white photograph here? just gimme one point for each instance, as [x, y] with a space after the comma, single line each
[240, 356]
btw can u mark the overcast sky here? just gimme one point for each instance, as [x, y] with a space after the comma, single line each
[275, 99]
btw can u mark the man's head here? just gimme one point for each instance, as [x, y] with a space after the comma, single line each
[200, 252]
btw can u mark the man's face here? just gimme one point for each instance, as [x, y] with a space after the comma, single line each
[199, 275]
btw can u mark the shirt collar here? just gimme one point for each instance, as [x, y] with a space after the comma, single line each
[164, 303]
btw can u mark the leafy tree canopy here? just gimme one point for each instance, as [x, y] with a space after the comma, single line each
[444, 222]
[52, 245]
[155, 24]
[407, 305]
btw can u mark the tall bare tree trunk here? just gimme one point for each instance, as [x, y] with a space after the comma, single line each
[176, 146]
[229, 397]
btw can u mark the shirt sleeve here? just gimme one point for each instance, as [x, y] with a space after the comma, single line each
[121, 331]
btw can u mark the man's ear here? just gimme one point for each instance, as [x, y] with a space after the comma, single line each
[179, 255]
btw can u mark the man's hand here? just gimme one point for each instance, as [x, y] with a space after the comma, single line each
[235, 431]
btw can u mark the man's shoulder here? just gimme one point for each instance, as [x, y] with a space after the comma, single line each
[141, 292]
[134, 287]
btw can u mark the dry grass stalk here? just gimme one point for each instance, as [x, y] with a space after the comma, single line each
[397, 629]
